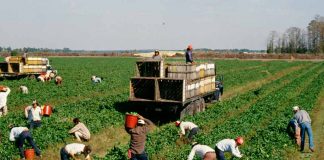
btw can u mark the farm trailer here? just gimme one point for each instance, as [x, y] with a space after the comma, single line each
[16, 66]
[180, 88]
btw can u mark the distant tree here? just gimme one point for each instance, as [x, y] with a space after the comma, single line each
[14, 53]
[271, 41]
[316, 35]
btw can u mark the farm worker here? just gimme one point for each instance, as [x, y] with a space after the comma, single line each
[294, 130]
[19, 134]
[58, 80]
[44, 77]
[23, 89]
[34, 113]
[228, 145]
[73, 149]
[203, 151]
[187, 127]
[24, 57]
[96, 79]
[138, 139]
[219, 90]
[80, 131]
[156, 55]
[4, 92]
[189, 58]
[304, 122]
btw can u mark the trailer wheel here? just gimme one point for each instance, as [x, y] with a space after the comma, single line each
[193, 108]
[32, 76]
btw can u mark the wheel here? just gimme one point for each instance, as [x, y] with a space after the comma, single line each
[32, 76]
[193, 107]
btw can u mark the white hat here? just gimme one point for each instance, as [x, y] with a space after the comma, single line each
[34, 101]
[295, 108]
[140, 121]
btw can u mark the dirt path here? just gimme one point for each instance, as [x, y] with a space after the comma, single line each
[318, 127]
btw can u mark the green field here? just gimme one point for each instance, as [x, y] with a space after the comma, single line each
[260, 118]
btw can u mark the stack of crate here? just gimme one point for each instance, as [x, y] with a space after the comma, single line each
[200, 78]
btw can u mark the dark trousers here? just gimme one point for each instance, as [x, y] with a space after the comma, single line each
[219, 154]
[64, 154]
[35, 124]
[20, 142]
[142, 156]
[193, 132]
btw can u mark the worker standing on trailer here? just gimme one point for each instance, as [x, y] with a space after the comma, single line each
[73, 149]
[186, 127]
[304, 121]
[138, 139]
[203, 151]
[80, 131]
[189, 58]
[19, 134]
[33, 114]
[294, 131]
[4, 92]
[228, 145]
[156, 55]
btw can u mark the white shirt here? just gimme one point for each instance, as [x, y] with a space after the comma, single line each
[229, 145]
[15, 132]
[186, 126]
[200, 150]
[97, 80]
[3, 97]
[35, 113]
[74, 148]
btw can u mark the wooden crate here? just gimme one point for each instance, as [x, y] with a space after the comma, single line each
[150, 68]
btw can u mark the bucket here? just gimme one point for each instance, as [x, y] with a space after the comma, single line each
[29, 154]
[47, 110]
[131, 120]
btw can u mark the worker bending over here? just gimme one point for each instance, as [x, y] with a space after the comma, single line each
[186, 127]
[20, 134]
[23, 89]
[80, 131]
[96, 79]
[73, 149]
[33, 114]
[293, 130]
[4, 92]
[304, 121]
[204, 152]
[58, 80]
[228, 145]
[138, 139]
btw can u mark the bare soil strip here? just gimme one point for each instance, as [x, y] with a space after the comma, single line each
[318, 127]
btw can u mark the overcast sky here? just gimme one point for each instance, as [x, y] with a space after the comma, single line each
[150, 24]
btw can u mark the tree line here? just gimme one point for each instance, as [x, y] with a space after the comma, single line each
[297, 40]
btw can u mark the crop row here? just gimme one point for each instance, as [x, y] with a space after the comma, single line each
[238, 125]
[160, 139]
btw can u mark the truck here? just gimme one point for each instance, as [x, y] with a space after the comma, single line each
[179, 88]
[18, 66]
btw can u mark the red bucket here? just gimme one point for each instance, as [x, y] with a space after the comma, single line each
[47, 110]
[29, 154]
[131, 120]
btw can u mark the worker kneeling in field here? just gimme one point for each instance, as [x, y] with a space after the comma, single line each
[203, 151]
[33, 114]
[80, 131]
[58, 80]
[73, 149]
[294, 131]
[20, 134]
[138, 139]
[187, 127]
[96, 79]
[23, 89]
[4, 92]
[228, 145]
